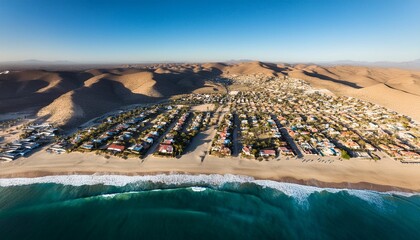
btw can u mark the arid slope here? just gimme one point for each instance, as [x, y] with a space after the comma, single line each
[110, 89]
[396, 89]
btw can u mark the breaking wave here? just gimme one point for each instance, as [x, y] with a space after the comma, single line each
[198, 183]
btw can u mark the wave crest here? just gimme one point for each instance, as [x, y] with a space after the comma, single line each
[298, 192]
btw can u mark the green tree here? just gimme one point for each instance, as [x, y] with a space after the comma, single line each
[345, 154]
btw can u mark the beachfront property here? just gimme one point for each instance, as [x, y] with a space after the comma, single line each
[33, 136]
[222, 142]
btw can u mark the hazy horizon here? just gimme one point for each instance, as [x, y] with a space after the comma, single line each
[67, 62]
[209, 31]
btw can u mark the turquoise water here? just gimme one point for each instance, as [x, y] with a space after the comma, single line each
[199, 208]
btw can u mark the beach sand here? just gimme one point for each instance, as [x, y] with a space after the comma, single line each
[383, 175]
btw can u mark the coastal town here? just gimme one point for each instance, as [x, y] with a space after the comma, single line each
[258, 117]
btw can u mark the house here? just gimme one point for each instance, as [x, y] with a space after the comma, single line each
[285, 151]
[277, 135]
[57, 148]
[216, 148]
[111, 133]
[88, 146]
[146, 145]
[166, 149]
[324, 151]
[410, 154]
[267, 153]
[361, 155]
[225, 151]
[31, 145]
[369, 147]
[136, 148]
[9, 156]
[116, 147]
[351, 144]
[246, 150]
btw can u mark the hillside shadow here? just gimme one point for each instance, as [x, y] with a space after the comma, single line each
[326, 78]
[102, 97]
[19, 95]
[75, 80]
[276, 68]
[184, 82]
[16, 89]
[108, 95]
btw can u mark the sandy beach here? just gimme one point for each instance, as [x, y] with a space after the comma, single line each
[383, 175]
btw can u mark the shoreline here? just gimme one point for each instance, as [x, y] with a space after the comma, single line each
[304, 182]
[383, 175]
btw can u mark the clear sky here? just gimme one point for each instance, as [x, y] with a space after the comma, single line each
[209, 30]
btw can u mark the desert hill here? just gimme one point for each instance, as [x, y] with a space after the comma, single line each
[396, 89]
[71, 97]
[360, 77]
[19, 90]
[113, 88]
[253, 68]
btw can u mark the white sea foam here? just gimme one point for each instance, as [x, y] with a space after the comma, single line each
[302, 192]
[371, 197]
[198, 189]
[404, 194]
[298, 192]
[121, 180]
[111, 195]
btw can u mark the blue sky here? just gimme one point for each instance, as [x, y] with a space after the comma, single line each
[210, 30]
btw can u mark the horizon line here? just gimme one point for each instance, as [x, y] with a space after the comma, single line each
[70, 62]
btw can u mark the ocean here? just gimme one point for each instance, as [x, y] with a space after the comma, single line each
[198, 207]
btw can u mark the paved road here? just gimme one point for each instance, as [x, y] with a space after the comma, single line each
[235, 139]
[287, 137]
[201, 144]
[156, 143]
